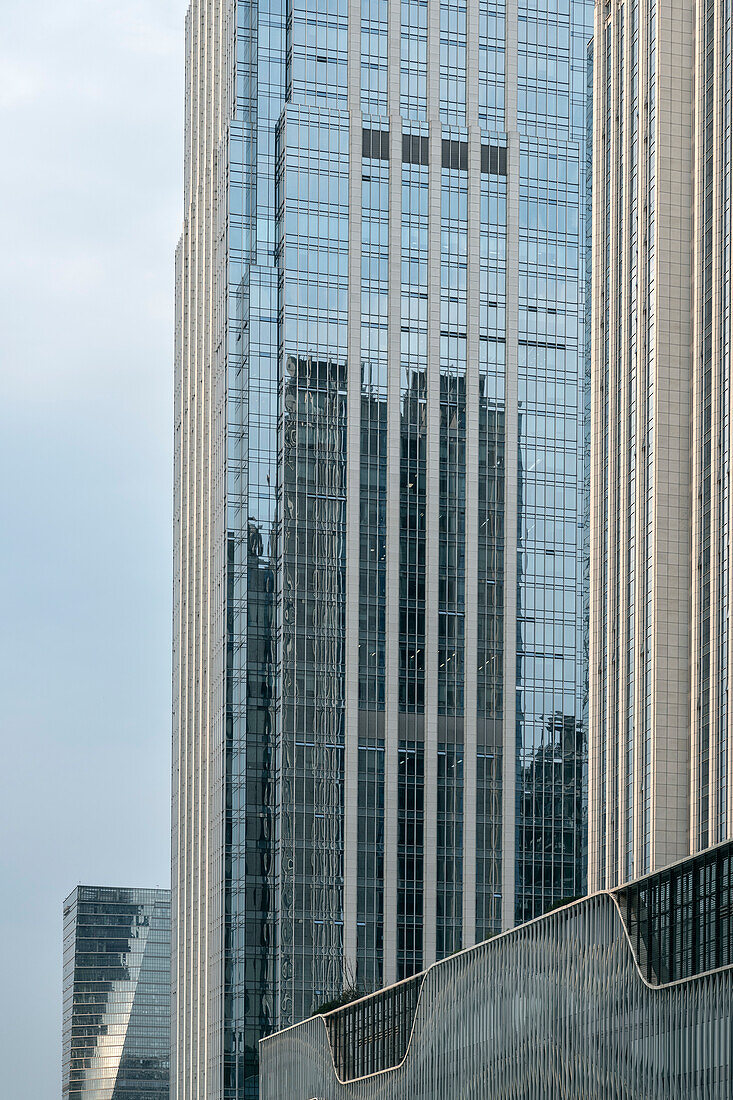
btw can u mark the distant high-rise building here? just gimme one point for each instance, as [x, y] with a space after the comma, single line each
[116, 1018]
[379, 728]
[660, 673]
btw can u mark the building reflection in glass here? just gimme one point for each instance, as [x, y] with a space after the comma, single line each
[116, 1017]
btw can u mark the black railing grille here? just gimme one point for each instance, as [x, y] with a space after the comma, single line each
[679, 920]
[373, 1034]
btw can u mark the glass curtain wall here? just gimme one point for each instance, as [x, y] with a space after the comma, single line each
[386, 747]
[116, 1008]
[551, 672]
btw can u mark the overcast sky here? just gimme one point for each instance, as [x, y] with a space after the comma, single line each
[90, 211]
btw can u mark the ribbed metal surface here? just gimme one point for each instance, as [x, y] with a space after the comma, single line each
[554, 1009]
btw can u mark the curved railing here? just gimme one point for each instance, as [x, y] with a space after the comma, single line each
[373, 1034]
[562, 1000]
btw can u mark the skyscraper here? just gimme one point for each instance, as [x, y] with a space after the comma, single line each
[379, 730]
[116, 1017]
[660, 572]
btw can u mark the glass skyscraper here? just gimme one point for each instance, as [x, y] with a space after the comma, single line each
[116, 1016]
[660, 675]
[379, 728]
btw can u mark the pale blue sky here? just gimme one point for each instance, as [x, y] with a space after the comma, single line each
[90, 118]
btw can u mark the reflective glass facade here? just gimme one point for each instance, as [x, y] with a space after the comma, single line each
[379, 728]
[580, 1003]
[116, 1014]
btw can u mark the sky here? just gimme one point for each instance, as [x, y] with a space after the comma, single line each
[91, 104]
